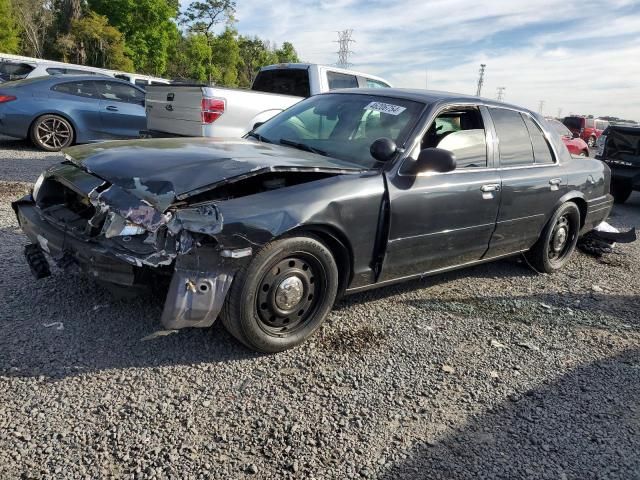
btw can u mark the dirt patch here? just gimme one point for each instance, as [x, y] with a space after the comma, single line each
[10, 191]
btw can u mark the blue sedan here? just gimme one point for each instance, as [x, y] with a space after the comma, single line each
[55, 112]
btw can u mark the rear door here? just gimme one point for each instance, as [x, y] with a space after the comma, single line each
[122, 113]
[532, 181]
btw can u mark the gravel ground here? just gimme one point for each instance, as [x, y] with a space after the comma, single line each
[491, 372]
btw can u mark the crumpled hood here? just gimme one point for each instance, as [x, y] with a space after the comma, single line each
[181, 167]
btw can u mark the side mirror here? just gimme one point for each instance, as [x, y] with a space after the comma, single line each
[257, 124]
[430, 160]
[383, 149]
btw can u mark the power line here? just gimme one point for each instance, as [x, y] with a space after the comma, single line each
[501, 93]
[344, 41]
[480, 79]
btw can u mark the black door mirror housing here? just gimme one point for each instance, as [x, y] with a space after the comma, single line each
[383, 149]
[430, 160]
[256, 125]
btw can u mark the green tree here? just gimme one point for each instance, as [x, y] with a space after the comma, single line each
[254, 53]
[225, 57]
[34, 18]
[201, 18]
[9, 35]
[147, 26]
[92, 41]
[287, 53]
[189, 58]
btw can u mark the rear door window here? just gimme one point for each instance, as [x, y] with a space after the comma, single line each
[513, 138]
[341, 80]
[285, 81]
[84, 88]
[541, 150]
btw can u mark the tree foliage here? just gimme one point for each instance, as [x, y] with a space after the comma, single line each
[142, 36]
[9, 34]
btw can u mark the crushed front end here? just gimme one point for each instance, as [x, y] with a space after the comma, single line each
[130, 237]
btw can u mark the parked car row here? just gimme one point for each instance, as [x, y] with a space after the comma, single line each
[586, 128]
[342, 192]
[17, 67]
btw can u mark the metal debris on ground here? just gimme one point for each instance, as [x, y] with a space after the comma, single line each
[602, 240]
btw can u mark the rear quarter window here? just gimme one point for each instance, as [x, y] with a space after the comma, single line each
[542, 152]
[14, 71]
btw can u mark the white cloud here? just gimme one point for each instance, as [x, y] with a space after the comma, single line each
[571, 56]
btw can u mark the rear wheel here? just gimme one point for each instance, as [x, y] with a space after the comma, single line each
[558, 240]
[583, 154]
[282, 297]
[591, 142]
[51, 133]
[621, 191]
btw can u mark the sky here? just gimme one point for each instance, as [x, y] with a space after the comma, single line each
[579, 57]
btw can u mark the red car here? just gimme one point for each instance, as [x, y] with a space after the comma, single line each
[588, 129]
[574, 144]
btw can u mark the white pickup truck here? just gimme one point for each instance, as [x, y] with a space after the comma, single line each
[202, 111]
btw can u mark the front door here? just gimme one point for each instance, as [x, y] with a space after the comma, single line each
[122, 112]
[440, 220]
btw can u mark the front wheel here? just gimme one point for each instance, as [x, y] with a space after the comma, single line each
[282, 297]
[51, 133]
[558, 240]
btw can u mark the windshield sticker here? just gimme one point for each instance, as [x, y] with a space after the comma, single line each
[385, 108]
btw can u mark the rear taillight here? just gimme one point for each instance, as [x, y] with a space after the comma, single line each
[6, 98]
[212, 109]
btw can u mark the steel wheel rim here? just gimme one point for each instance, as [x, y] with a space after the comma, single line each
[561, 240]
[53, 132]
[282, 309]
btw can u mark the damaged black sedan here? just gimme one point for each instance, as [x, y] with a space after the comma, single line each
[341, 193]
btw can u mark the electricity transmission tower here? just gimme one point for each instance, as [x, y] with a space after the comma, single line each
[501, 93]
[481, 79]
[344, 41]
[541, 107]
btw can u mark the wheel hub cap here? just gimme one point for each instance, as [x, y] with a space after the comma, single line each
[559, 239]
[289, 293]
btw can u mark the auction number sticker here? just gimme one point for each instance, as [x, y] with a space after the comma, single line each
[385, 108]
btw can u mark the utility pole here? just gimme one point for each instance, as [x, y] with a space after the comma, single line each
[541, 107]
[481, 79]
[501, 93]
[560, 113]
[344, 40]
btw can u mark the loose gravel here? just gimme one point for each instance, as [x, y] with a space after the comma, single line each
[490, 372]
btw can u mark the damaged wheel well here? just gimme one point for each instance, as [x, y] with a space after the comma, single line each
[582, 206]
[339, 246]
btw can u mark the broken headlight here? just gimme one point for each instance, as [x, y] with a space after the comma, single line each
[117, 226]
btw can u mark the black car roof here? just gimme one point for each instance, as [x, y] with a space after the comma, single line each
[427, 96]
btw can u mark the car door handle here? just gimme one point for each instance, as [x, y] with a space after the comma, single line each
[490, 187]
[112, 108]
[555, 181]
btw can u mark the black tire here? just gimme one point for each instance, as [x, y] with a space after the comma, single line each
[283, 295]
[52, 133]
[591, 142]
[557, 241]
[621, 191]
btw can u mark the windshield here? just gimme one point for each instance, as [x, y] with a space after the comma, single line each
[343, 125]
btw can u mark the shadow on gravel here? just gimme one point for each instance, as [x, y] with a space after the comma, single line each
[584, 425]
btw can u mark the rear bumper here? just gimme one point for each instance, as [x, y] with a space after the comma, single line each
[628, 175]
[598, 210]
